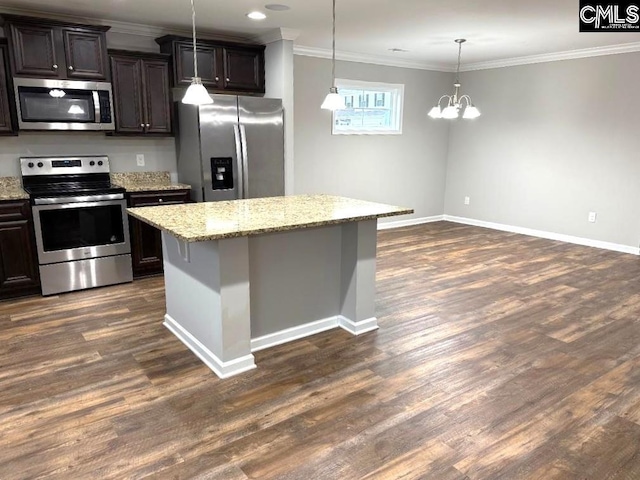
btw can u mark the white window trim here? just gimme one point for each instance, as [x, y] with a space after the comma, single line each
[375, 86]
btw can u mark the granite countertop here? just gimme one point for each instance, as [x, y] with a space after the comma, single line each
[200, 222]
[146, 181]
[11, 189]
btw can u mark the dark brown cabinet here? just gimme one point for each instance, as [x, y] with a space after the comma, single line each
[208, 66]
[85, 53]
[50, 49]
[222, 66]
[18, 259]
[243, 69]
[7, 118]
[146, 241]
[141, 93]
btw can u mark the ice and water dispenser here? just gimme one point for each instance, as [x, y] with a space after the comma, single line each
[222, 173]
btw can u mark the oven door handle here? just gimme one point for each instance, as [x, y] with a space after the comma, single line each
[75, 200]
[59, 206]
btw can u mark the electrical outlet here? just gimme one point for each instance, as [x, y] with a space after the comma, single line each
[592, 217]
[140, 159]
[467, 200]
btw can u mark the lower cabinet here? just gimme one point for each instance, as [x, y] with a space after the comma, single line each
[146, 241]
[18, 258]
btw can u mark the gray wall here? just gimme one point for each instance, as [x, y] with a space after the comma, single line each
[407, 169]
[555, 141]
[160, 153]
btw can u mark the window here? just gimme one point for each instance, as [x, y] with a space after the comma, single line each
[372, 108]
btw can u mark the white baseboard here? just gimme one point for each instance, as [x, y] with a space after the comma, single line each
[220, 368]
[410, 222]
[358, 328]
[293, 333]
[616, 247]
[311, 328]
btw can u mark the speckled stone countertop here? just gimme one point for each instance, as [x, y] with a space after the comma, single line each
[146, 181]
[200, 222]
[11, 189]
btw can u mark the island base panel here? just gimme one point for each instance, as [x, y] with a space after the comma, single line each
[302, 282]
[208, 300]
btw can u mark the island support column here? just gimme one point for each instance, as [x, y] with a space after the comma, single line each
[208, 300]
[358, 277]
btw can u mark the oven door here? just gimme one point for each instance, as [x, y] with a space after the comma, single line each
[81, 230]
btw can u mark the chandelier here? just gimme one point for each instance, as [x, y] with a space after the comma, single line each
[455, 101]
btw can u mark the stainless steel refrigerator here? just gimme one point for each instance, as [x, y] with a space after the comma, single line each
[232, 149]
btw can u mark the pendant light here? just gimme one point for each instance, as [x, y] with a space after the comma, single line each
[333, 101]
[454, 102]
[196, 94]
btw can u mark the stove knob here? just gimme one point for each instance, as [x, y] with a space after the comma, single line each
[100, 162]
[92, 163]
[40, 164]
[30, 164]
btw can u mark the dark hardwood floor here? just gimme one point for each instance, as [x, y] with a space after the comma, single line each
[499, 356]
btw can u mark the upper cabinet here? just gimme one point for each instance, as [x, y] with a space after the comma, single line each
[223, 66]
[50, 49]
[141, 93]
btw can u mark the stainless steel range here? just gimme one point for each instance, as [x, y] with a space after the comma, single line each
[81, 223]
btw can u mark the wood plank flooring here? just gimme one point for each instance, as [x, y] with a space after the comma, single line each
[499, 356]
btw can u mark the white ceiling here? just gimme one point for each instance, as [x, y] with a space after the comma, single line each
[495, 29]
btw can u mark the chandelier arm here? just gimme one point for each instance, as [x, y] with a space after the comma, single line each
[467, 98]
[448, 97]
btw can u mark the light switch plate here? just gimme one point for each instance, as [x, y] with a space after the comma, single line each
[140, 159]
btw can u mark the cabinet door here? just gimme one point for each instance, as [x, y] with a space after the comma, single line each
[157, 101]
[146, 248]
[86, 54]
[34, 52]
[127, 94]
[208, 68]
[146, 241]
[243, 69]
[18, 268]
[5, 112]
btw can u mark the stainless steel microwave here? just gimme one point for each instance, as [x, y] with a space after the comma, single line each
[63, 105]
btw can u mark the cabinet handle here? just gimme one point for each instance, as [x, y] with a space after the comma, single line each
[217, 79]
[160, 200]
[148, 125]
[228, 79]
[142, 125]
[70, 68]
[55, 67]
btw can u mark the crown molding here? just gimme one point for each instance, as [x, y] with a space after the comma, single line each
[374, 59]
[554, 57]
[125, 27]
[276, 35]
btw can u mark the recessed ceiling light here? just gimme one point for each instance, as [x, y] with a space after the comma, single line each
[256, 15]
[276, 7]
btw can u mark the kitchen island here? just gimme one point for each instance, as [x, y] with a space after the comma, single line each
[244, 275]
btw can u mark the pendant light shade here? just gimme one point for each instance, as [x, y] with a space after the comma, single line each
[333, 101]
[455, 102]
[196, 94]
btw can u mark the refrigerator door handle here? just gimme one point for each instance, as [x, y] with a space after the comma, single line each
[240, 158]
[245, 163]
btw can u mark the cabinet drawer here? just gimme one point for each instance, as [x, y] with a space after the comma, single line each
[146, 199]
[18, 210]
